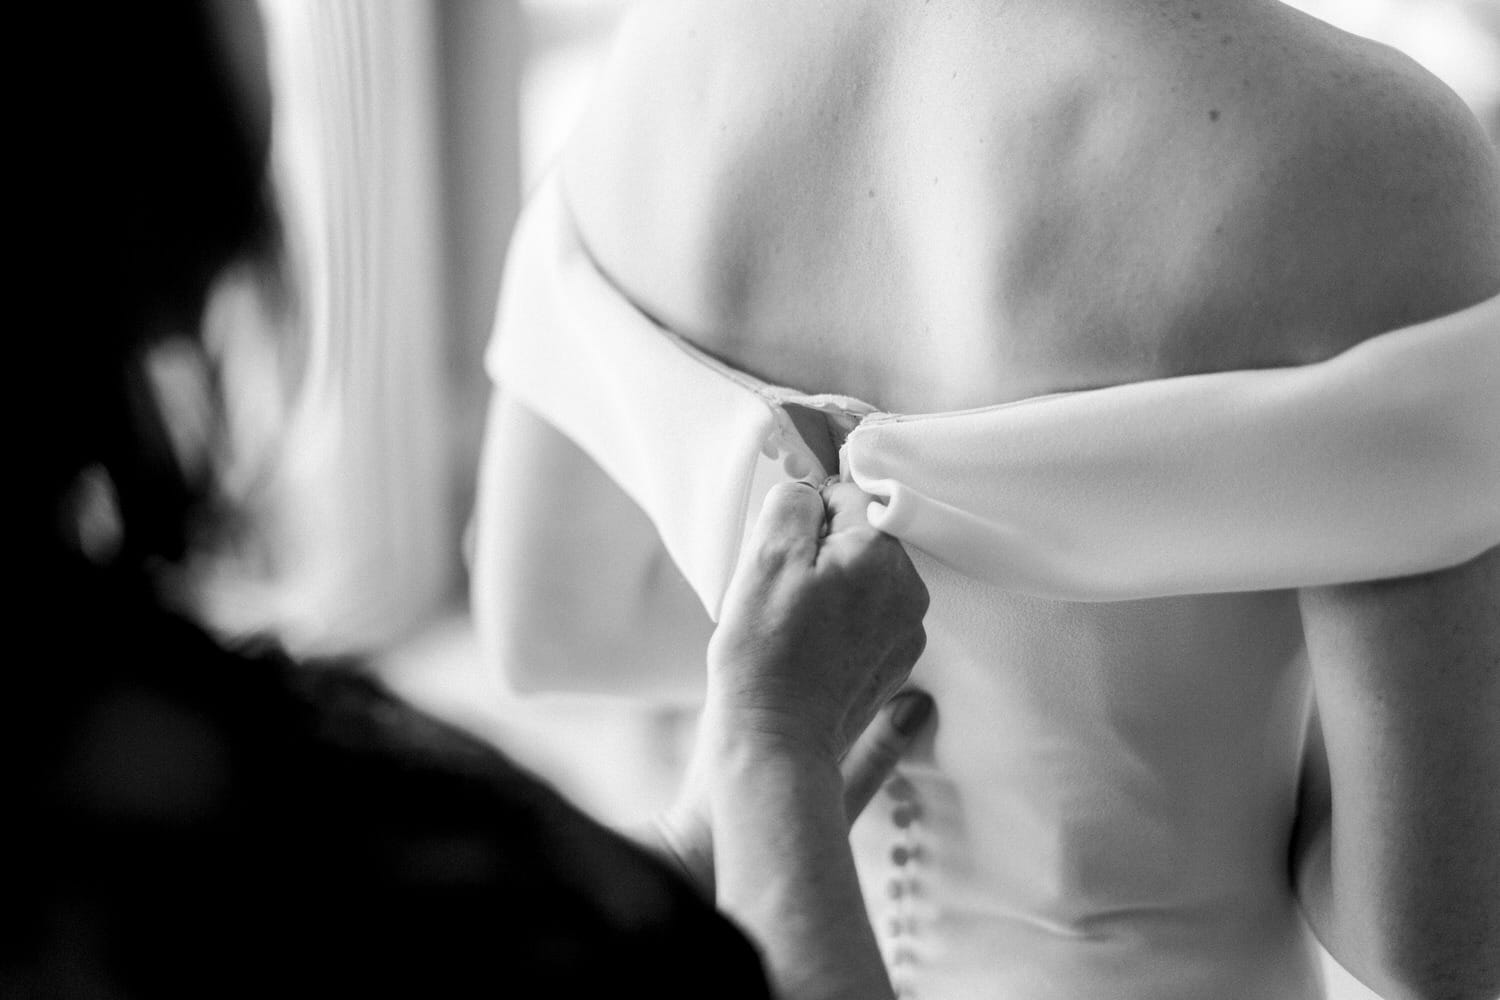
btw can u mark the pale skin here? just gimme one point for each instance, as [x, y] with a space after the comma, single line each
[1123, 190]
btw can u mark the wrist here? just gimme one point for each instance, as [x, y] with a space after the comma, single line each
[757, 735]
[757, 721]
[753, 763]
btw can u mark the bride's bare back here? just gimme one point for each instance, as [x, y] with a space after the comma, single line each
[961, 202]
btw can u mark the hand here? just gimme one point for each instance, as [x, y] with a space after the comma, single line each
[821, 624]
[818, 628]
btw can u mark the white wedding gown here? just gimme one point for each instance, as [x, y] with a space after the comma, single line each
[1070, 832]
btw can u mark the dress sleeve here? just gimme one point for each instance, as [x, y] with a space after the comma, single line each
[1383, 461]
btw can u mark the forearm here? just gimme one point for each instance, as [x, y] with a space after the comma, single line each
[1396, 865]
[786, 874]
[1407, 898]
[1407, 912]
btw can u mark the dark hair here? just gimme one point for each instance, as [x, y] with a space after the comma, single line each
[152, 180]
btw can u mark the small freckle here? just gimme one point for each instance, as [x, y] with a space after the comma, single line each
[872, 192]
[1226, 39]
[1213, 114]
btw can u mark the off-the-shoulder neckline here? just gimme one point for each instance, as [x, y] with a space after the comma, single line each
[868, 413]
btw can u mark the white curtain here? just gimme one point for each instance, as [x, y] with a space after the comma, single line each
[360, 494]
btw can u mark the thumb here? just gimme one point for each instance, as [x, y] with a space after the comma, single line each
[874, 755]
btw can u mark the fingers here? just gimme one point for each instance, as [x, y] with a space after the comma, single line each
[905, 653]
[790, 520]
[851, 538]
[846, 506]
[882, 568]
[870, 761]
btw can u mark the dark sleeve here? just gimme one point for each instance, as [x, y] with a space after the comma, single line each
[497, 875]
[270, 830]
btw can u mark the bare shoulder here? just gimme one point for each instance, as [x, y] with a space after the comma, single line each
[1144, 191]
[1376, 200]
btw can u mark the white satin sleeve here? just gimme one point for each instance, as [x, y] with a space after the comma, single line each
[570, 585]
[1382, 461]
[681, 435]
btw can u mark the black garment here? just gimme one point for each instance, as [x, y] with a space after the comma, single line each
[206, 823]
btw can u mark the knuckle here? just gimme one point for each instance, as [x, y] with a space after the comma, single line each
[907, 601]
[920, 598]
[918, 643]
[791, 491]
[894, 554]
[871, 554]
[911, 589]
[772, 554]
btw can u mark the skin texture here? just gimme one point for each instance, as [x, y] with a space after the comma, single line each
[962, 203]
[1392, 865]
[821, 623]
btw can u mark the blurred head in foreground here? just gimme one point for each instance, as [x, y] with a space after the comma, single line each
[151, 182]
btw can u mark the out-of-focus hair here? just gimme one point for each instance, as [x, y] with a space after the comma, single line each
[150, 180]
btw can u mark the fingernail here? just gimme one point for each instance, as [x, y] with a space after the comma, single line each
[911, 711]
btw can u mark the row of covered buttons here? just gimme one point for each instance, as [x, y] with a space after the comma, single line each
[904, 887]
[786, 444]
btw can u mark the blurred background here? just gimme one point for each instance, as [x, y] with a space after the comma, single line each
[406, 137]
